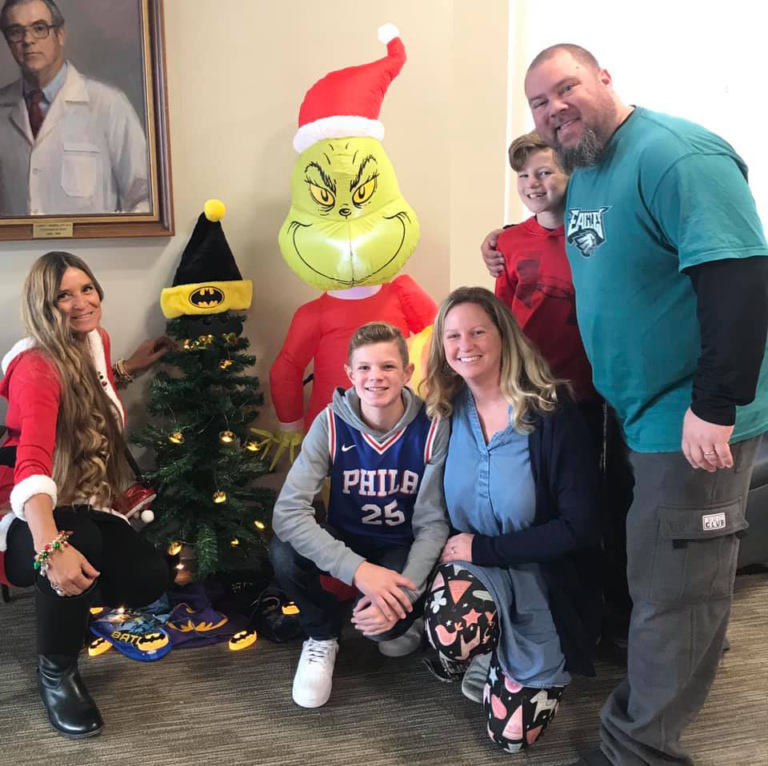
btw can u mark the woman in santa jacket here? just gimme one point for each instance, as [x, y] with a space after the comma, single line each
[63, 470]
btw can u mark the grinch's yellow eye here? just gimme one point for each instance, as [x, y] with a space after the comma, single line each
[322, 196]
[365, 192]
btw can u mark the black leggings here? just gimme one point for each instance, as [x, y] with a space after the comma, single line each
[133, 574]
[461, 623]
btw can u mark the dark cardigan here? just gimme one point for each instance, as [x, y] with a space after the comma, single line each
[565, 535]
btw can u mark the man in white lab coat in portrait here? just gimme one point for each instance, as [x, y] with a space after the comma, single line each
[69, 145]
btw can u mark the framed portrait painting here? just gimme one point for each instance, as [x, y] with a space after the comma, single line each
[84, 148]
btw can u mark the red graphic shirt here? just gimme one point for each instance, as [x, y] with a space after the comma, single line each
[537, 287]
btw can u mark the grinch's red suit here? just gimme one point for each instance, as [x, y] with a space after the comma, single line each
[321, 331]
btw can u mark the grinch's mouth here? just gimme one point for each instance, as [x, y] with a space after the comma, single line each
[295, 226]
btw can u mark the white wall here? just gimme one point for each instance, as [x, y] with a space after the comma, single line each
[704, 61]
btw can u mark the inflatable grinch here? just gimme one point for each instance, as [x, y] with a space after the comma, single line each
[348, 232]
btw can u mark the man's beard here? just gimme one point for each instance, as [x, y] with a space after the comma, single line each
[585, 154]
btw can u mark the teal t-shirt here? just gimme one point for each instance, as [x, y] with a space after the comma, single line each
[666, 195]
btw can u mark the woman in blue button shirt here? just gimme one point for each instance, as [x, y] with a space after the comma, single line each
[516, 599]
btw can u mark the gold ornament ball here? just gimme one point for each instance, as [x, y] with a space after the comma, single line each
[219, 497]
[226, 437]
[176, 438]
[252, 445]
[225, 364]
[174, 549]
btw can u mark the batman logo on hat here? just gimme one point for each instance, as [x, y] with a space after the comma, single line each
[206, 297]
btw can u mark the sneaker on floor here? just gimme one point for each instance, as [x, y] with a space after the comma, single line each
[408, 643]
[473, 683]
[313, 681]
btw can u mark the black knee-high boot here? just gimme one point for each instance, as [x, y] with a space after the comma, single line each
[61, 626]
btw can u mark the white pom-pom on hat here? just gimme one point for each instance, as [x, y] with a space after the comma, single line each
[147, 516]
[388, 32]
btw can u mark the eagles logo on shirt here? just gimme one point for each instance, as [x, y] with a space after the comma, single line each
[586, 230]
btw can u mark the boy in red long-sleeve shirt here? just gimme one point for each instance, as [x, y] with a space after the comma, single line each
[535, 283]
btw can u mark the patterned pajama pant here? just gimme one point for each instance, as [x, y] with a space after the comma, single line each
[461, 622]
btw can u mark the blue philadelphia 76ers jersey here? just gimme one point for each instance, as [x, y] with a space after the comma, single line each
[374, 485]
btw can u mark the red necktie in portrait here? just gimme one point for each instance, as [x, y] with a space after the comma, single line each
[36, 115]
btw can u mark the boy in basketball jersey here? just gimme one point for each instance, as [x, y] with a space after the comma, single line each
[386, 515]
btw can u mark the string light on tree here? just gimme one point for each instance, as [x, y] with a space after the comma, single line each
[174, 549]
[219, 497]
[260, 525]
[176, 437]
[225, 364]
[235, 543]
[252, 445]
[227, 437]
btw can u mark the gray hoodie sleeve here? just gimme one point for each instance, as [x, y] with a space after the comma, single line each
[293, 519]
[430, 518]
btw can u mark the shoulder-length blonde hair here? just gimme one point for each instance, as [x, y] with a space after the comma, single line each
[89, 459]
[525, 380]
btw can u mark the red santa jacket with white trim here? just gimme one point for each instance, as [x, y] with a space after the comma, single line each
[33, 390]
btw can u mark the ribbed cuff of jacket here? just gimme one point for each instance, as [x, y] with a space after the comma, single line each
[29, 487]
[718, 414]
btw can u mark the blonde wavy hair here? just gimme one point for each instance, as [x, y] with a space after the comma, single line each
[89, 462]
[525, 380]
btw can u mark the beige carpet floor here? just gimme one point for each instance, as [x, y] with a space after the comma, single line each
[211, 706]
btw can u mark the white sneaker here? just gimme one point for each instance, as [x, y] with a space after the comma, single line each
[314, 677]
[409, 642]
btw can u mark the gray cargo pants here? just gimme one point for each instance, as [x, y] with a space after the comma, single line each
[682, 545]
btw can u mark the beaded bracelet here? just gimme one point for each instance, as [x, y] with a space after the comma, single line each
[122, 376]
[57, 544]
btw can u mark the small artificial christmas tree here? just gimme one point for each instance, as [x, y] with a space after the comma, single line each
[203, 405]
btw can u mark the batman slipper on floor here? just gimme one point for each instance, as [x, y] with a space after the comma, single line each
[138, 642]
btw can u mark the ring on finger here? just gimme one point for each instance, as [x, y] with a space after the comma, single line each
[712, 452]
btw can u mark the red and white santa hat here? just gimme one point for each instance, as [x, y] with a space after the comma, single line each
[347, 102]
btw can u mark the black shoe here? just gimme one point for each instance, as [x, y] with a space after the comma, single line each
[445, 670]
[71, 709]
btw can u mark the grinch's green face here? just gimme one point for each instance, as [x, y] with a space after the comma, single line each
[348, 223]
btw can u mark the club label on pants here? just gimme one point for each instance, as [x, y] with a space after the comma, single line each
[713, 521]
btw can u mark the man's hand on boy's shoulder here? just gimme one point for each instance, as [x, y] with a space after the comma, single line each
[385, 588]
[494, 260]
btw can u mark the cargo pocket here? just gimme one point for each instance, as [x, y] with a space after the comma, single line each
[695, 553]
[80, 169]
